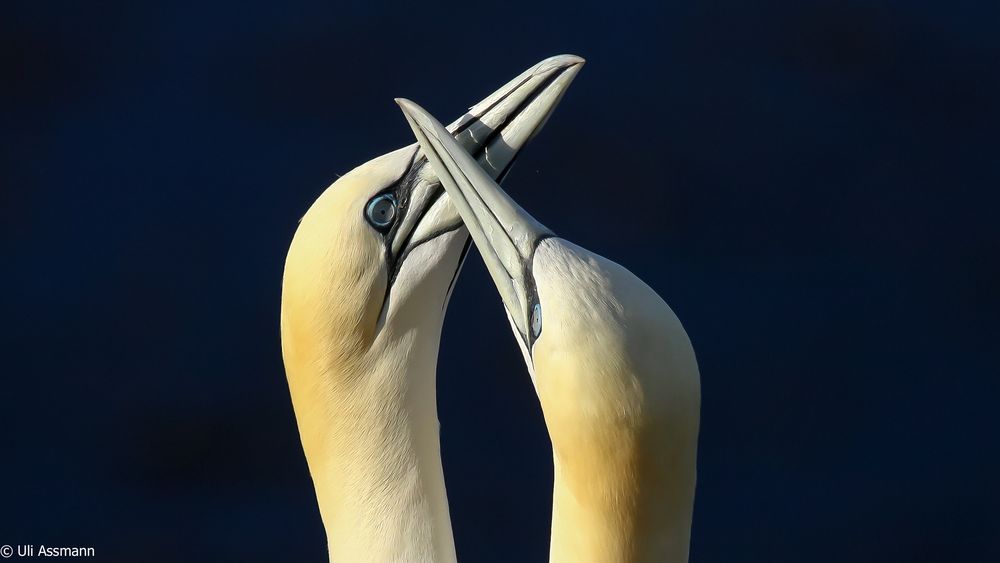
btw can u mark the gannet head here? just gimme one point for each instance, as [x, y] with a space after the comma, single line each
[383, 243]
[366, 283]
[614, 370]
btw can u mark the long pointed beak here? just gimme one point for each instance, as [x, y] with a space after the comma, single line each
[494, 131]
[514, 113]
[505, 234]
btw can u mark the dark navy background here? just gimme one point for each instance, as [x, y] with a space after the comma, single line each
[811, 185]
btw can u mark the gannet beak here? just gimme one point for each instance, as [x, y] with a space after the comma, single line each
[494, 131]
[514, 113]
[505, 234]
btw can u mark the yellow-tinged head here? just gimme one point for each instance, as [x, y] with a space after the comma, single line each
[366, 280]
[338, 268]
[615, 372]
[366, 284]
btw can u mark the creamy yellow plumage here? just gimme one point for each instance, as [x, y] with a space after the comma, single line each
[366, 284]
[615, 373]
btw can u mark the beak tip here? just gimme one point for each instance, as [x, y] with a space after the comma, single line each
[559, 62]
[410, 109]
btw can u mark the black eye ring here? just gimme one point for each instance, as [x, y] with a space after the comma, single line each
[381, 211]
[536, 320]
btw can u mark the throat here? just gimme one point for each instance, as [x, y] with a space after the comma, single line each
[609, 510]
[376, 468]
[386, 501]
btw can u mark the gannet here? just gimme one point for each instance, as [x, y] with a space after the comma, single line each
[613, 368]
[366, 283]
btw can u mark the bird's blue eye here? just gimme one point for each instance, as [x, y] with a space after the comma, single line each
[536, 320]
[381, 211]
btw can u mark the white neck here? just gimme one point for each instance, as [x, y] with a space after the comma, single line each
[373, 449]
[619, 387]
[595, 519]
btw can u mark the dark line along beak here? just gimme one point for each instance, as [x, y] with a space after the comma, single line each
[495, 130]
[505, 234]
[517, 109]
